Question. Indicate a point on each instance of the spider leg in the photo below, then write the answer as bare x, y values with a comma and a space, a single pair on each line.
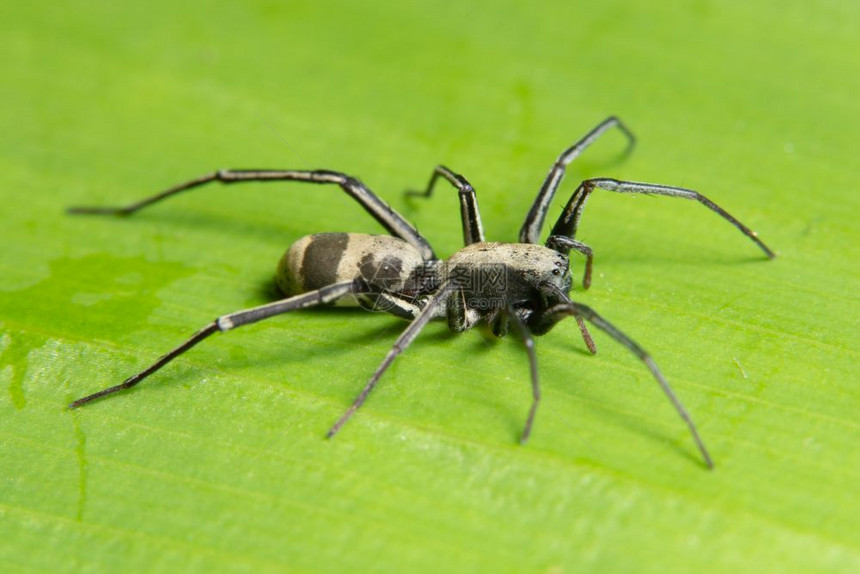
579, 310
473, 230
403, 341
531, 229
569, 220
322, 296
392, 221
390, 302
529, 343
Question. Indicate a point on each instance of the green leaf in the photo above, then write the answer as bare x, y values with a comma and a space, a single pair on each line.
220, 463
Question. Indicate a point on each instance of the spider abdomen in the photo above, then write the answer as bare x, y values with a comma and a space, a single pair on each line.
318, 260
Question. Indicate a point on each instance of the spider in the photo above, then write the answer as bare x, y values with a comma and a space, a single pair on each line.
521, 287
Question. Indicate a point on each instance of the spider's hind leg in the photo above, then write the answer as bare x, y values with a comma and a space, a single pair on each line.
392, 221
231, 321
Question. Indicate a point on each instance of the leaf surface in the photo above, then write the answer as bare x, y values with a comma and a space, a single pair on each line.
219, 461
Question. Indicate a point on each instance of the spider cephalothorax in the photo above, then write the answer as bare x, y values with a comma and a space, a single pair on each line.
521, 287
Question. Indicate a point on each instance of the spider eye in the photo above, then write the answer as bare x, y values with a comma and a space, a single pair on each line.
556, 272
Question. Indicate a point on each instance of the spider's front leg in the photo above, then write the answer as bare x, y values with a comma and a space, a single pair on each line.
568, 222
528, 342
570, 309
533, 224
